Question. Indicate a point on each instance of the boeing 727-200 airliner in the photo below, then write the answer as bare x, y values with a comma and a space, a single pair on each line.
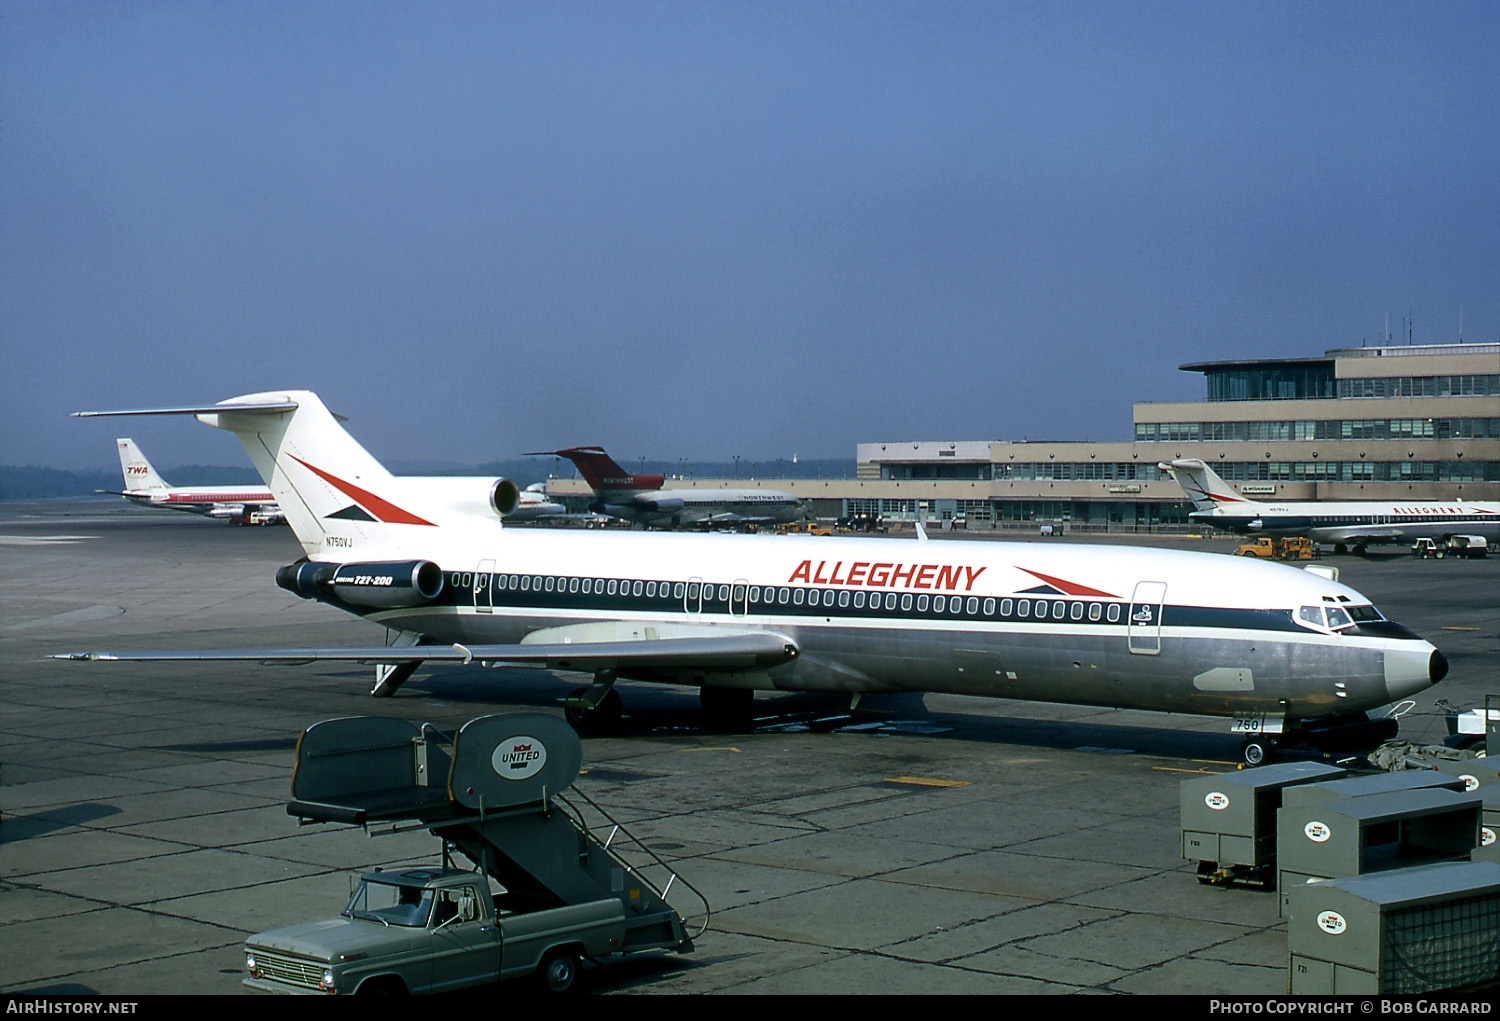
642, 500
1340, 524
1286, 654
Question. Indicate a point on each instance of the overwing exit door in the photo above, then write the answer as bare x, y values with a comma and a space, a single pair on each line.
1143, 626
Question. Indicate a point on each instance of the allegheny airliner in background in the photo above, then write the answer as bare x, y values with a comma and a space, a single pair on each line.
242, 505
640, 498
1286, 654
1343, 525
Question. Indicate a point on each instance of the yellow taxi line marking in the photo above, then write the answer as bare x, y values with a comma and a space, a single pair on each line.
923, 781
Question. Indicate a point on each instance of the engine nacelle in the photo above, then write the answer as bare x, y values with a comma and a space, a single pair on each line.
505, 497
391, 584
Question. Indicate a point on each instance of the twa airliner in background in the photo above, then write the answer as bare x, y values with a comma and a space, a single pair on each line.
242, 505
1287, 655
1340, 524
642, 500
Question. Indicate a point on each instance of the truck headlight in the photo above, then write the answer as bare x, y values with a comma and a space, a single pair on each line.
250, 965
327, 983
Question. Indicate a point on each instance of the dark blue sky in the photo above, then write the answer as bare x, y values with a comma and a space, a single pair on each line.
705, 229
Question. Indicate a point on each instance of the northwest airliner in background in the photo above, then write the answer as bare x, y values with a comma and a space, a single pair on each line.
1286, 654
642, 500
243, 505
1343, 525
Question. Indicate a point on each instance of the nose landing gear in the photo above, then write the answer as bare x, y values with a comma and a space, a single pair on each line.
1259, 751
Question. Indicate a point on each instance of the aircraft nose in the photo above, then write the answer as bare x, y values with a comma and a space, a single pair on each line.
1410, 671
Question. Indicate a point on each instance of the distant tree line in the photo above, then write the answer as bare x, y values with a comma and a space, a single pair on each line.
31, 482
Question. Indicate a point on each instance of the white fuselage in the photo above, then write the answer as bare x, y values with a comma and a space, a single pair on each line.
677, 508
1357, 522
1088, 624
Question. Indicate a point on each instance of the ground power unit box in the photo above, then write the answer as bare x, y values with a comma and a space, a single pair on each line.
1406, 931
1374, 833
1229, 820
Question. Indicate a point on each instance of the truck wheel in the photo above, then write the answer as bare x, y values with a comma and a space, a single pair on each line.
559, 971
385, 986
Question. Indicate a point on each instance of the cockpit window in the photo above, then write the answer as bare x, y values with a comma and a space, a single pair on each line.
1335, 618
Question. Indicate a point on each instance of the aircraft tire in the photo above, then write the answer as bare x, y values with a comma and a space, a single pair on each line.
1257, 752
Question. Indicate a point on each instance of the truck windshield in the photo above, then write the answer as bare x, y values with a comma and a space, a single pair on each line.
390, 903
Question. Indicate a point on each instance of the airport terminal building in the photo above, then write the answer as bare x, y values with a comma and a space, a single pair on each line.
1369, 423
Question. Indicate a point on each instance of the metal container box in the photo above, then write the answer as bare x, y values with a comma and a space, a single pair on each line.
1406, 931
1373, 783
1229, 820
1475, 773
1489, 825
1373, 833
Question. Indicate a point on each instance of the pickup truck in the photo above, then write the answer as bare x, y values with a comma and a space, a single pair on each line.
431, 930
558, 880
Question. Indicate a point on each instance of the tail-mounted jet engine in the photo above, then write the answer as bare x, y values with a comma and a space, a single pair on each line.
386, 585
505, 497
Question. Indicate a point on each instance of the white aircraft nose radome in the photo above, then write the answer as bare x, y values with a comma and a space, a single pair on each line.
1411, 671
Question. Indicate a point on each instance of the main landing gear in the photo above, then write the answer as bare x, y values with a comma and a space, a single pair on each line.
598, 709
727, 709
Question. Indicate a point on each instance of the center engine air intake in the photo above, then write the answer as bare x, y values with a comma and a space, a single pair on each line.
402, 583
505, 497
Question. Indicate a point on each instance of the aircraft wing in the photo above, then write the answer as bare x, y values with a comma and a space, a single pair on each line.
739, 651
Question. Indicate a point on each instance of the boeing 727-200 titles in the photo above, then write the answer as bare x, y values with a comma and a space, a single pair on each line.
1340, 524
1284, 653
239, 504
642, 500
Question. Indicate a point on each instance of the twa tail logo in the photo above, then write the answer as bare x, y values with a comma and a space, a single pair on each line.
370, 507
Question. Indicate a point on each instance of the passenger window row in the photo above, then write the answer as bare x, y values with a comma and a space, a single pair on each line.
693, 596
